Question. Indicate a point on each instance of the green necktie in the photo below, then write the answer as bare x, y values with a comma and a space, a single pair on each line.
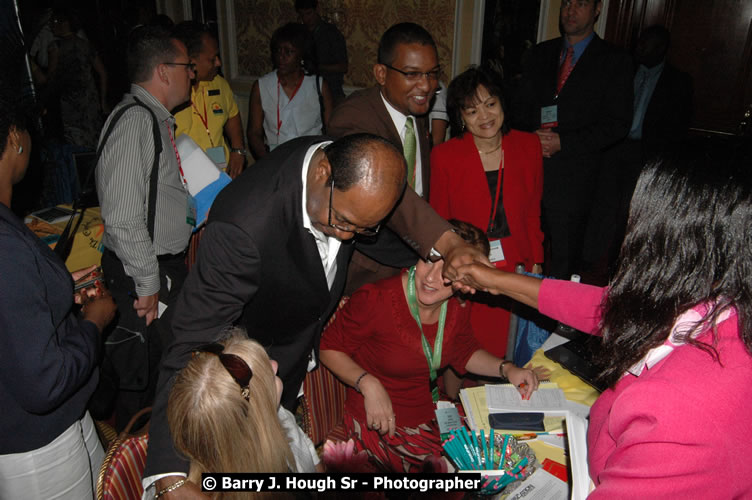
410, 147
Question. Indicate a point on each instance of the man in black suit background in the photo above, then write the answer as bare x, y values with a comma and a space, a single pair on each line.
660, 121
663, 94
274, 259
579, 101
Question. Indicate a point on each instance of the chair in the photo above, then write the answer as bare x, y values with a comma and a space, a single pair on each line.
323, 406
120, 475
324, 401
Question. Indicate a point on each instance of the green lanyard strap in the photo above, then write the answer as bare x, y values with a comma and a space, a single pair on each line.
432, 357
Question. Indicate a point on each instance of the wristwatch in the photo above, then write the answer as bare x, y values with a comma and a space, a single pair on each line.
501, 368
241, 151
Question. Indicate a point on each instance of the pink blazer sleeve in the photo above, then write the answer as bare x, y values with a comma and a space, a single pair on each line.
574, 304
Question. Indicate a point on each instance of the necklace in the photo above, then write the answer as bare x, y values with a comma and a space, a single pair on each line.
491, 150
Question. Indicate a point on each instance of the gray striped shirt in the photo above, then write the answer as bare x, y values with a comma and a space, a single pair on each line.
123, 174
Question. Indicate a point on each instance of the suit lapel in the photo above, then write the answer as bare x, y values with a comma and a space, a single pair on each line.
388, 130
302, 242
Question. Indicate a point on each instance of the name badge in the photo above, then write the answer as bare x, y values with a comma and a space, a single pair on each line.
549, 116
213, 92
496, 256
190, 210
448, 418
216, 154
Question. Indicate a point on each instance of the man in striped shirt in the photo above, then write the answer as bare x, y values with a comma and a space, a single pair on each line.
143, 259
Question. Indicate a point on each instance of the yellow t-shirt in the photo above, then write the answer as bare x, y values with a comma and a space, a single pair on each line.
214, 103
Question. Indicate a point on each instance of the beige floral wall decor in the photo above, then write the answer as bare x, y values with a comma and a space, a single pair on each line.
361, 22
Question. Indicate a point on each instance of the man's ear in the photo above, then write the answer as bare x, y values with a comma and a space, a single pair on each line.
322, 169
379, 73
161, 70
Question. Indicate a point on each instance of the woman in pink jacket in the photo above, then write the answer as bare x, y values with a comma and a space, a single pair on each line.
677, 327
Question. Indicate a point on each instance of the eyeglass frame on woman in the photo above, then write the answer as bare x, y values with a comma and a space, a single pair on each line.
360, 231
234, 364
414, 76
189, 65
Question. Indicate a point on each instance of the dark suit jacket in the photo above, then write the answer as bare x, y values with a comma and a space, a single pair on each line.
594, 112
669, 111
364, 111
259, 268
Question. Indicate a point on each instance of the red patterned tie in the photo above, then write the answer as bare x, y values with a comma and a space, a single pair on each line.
565, 69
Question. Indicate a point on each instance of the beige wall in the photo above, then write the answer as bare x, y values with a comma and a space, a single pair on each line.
361, 22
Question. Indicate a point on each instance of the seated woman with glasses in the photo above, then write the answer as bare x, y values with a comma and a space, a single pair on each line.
287, 102
388, 343
224, 413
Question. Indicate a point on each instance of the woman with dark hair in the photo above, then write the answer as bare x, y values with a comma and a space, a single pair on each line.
492, 177
49, 351
287, 103
676, 330
387, 344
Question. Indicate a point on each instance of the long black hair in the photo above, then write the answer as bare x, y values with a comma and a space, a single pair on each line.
688, 242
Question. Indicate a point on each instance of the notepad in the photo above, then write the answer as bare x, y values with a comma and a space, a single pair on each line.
506, 398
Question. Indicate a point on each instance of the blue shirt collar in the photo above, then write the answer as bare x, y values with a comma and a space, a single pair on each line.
579, 47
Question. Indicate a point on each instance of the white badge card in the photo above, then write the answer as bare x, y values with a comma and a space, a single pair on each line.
216, 154
549, 116
448, 419
190, 210
497, 253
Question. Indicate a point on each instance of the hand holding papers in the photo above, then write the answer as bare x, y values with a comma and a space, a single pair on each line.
506, 398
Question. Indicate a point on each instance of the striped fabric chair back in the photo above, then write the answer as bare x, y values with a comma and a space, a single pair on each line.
125, 463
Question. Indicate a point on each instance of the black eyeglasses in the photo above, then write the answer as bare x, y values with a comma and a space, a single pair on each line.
362, 231
234, 364
414, 76
189, 66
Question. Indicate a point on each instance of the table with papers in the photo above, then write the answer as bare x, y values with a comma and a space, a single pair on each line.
565, 402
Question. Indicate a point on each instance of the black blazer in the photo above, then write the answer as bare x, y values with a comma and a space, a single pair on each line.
258, 268
594, 112
669, 112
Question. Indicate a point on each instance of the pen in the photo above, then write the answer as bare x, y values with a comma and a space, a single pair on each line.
522, 386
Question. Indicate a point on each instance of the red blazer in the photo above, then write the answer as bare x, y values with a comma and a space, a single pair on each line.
459, 190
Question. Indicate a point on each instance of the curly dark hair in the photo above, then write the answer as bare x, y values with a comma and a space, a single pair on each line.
402, 33
688, 242
462, 93
297, 35
473, 235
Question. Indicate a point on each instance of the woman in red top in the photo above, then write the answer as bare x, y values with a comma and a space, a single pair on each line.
492, 177
376, 346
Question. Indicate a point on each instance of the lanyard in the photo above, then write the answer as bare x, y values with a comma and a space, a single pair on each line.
499, 183
432, 357
279, 121
204, 119
177, 155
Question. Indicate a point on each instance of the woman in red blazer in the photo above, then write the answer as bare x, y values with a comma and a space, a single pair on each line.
492, 177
